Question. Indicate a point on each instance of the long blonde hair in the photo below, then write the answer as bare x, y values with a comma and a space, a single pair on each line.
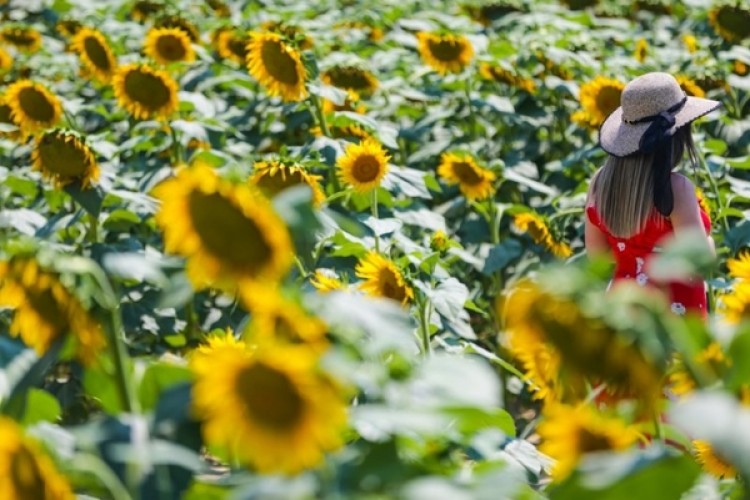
624, 187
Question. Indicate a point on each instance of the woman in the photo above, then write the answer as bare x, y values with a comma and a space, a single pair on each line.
635, 200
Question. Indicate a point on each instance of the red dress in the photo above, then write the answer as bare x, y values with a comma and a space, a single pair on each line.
631, 255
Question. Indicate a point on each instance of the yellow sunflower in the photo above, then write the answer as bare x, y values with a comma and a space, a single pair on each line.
352, 78
32, 106
27, 472
6, 118
734, 306
145, 92
739, 267
351, 103
44, 310
68, 27
180, 23
534, 226
363, 165
702, 201
474, 181
63, 158
691, 43
6, 60
277, 66
499, 74
144, 9
232, 45
569, 432
24, 38
599, 98
730, 21
226, 231
711, 358
439, 241
552, 67
641, 50
740, 68
445, 53
383, 279
690, 87
168, 45
289, 32
272, 177
270, 408
711, 461
96, 55
219, 8
326, 281
283, 321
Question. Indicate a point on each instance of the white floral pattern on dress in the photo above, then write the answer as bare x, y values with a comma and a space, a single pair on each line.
641, 279
621, 246
678, 308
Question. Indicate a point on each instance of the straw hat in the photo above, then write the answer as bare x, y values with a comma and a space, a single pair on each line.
641, 101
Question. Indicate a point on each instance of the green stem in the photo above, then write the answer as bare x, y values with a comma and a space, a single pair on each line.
494, 358
71, 121
119, 354
374, 209
715, 189
472, 115
494, 223
658, 429
93, 232
191, 330
318, 113
176, 152
425, 311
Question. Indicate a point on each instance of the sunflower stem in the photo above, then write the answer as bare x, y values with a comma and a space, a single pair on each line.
93, 230
424, 327
494, 223
191, 331
70, 120
318, 112
176, 152
658, 429
374, 209
715, 189
472, 115
119, 355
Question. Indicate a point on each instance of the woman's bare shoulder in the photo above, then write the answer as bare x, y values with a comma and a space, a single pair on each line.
682, 187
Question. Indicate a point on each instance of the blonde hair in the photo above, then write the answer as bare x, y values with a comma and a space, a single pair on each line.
624, 187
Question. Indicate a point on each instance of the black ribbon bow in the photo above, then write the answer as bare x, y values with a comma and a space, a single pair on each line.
656, 140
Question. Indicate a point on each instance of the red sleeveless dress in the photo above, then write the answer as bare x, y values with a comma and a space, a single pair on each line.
631, 254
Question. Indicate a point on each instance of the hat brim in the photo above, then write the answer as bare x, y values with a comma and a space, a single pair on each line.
619, 138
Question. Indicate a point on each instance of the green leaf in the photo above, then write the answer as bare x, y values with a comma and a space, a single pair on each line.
89, 199
158, 377
41, 406
470, 420
103, 386
501, 255
684, 256
739, 349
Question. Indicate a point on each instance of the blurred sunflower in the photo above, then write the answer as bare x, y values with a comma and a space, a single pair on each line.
552, 67
374, 33
6, 60
690, 87
168, 45
383, 279
272, 177
144, 9
711, 359
226, 231
32, 106
232, 45
486, 13
363, 165
351, 103
569, 432
439, 241
474, 182
740, 68
63, 158
499, 74
68, 27
271, 408
95, 54
44, 310
170, 21
326, 281
352, 78
445, 53
280, 320
219, 8
731, 20
599, 98
24, 38
579, 4
27, 472
341, 131
641, 50
739, 267
691, 43
734, 306
655, 6
277, 66
290, 32
711, 461
702, 201
145, 92
6, 118
536, 227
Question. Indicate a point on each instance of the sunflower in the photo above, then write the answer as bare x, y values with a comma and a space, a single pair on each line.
27, 472
691, 43
95, 53
219, 8
325, 282
180, 23
232, 45
168, 45
145, 92
374, 33
270, 408
702, 201
290, 32
569, 432
32, 106
68, 27
499, 74
283, 321
730, 21
6, 118
6, 60
226, 231
739, 267
383, 279
711, 358
553, 67
474, 182
439, 241
272, 177
580, 4
63, 158
352, 78
144, 9
44, 310
445, 53
735, 305
690, 87
488, 12
711, 461
363, 165
599, 98
351, 103
740, 68
641, 50
277, 66
341, 131
534, 226
24, 38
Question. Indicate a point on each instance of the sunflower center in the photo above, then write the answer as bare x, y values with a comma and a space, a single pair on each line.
20, 38
390, 286
366, 168
285, 330
590, 441
608, 100
735, 20
238, 46
272, 184
537, 231
170, 48
228, 233
36, 105
25, 476
62, 157
45, 305
445, 50
278, 62
146, 89
350, 78
270, 397
97, 54
466, 173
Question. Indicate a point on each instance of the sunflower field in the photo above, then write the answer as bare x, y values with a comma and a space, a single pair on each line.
334, 249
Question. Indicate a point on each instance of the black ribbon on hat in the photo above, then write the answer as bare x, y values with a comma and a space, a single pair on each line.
656, 140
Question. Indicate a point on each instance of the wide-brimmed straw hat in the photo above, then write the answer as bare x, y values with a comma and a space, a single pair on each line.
642, 101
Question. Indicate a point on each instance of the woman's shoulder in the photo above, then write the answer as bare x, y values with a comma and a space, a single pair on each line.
682, 185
